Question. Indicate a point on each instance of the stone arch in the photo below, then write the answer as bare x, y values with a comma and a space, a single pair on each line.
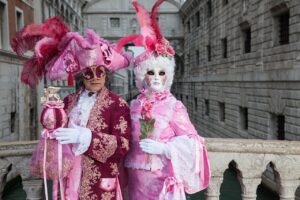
10, 181
270, 183
231, 187
175, 3
14, 171
5, 167
92, 2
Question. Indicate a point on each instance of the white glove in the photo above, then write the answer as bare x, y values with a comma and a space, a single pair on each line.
80, 137
153, 147
67, 135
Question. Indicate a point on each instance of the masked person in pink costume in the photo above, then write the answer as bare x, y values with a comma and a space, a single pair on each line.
98, 127
167, 156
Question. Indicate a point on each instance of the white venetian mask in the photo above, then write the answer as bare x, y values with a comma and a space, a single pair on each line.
156, 79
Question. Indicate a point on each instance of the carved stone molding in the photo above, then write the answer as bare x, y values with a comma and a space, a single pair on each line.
288, 189
213, 190
33, 189
249, 187
251, 157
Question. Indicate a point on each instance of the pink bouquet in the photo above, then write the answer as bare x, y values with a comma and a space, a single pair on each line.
147, 122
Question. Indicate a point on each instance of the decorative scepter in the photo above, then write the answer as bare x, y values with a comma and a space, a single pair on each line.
50, 159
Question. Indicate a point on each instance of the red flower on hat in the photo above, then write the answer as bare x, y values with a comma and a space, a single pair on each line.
163, 48
170, 51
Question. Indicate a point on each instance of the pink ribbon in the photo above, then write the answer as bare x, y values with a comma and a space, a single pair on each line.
45, 132
172, 188
47, 135
53, 105
60, 177
119, 195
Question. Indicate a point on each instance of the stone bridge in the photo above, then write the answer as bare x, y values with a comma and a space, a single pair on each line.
273, 163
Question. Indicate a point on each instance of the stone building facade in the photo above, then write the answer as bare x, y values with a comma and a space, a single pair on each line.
69, 10
113, 19
18, 104
241, 68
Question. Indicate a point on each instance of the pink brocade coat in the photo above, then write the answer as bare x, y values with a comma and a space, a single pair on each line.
109, 122
156, 177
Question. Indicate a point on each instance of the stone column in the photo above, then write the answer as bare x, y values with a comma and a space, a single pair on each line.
2, 181
249, 188
33, 189
288, 189
213, 190
4, 168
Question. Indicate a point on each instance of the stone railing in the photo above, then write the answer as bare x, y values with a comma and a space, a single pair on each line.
15, 160
250, 157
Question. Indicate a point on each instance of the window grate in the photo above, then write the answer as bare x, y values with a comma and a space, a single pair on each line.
280, 127
208, 52
224, 47
247, 40
284, 28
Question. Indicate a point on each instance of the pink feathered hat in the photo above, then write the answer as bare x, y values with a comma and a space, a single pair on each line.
60, 54
151, 37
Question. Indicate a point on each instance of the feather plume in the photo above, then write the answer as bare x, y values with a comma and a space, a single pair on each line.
44, 39
29, 75
145, 22
26, 38
154, 14
130, 38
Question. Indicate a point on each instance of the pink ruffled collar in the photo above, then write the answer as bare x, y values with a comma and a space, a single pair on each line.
148, 95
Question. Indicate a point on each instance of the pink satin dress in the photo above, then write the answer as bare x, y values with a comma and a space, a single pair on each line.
187, 169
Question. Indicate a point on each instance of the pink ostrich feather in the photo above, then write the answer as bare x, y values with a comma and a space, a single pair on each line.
137, 40
145, 22
29, 74
26, 38
43, 39
150, 32
154, 15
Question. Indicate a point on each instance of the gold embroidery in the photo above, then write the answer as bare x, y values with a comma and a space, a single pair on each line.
107, 196
122, 102
125, 143
96, 122
122, 126
90, 176
114, 169
104, 147
96, 143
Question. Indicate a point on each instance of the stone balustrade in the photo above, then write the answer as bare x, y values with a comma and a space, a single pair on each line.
15, 160
251, 159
